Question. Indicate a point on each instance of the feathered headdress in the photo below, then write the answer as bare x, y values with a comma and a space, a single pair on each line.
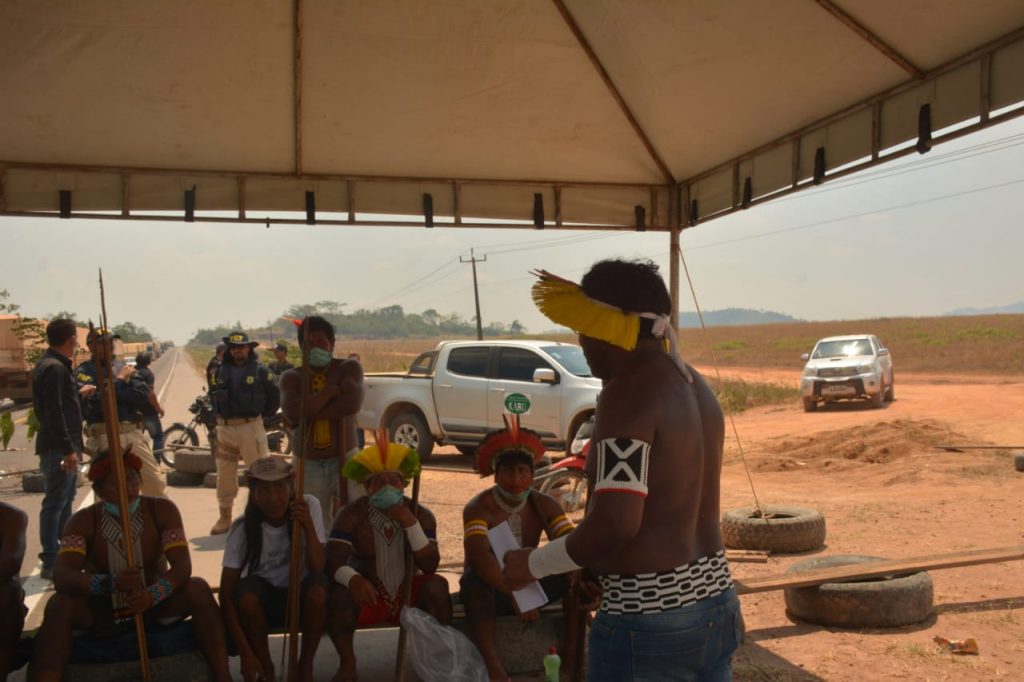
510, 439
380, 457
100, 466
565, 303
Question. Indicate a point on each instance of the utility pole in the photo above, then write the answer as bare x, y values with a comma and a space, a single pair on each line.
476, 292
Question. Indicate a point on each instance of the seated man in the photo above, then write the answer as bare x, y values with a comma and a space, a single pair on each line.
98, 593
510, 454
257, 569
366, 552
13, 522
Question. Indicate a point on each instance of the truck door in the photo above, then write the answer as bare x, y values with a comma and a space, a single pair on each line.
515, 375
459, 390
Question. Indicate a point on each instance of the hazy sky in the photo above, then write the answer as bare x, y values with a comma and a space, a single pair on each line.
917, 237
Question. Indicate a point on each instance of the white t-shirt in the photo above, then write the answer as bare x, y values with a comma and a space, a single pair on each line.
275, 555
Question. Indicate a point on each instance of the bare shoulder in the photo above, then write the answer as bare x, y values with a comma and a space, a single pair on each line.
351, 515
290, 379
425, 516
351, 369
548, 505
166, 512
82, 522
475, 507
12, 518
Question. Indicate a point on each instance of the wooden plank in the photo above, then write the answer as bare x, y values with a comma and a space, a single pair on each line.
960, 448
880, 568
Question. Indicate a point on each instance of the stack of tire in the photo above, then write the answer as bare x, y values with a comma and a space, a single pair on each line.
35, 482
192, 468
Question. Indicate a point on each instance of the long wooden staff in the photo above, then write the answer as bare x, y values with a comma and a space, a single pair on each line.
295, 568
410, 568
108, 404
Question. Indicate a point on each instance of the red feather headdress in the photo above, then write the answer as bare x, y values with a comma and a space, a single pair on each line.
512, 438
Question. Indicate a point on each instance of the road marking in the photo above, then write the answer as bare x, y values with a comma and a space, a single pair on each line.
167, 381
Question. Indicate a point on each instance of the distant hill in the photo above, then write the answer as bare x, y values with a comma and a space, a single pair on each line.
733, 317
1013, 308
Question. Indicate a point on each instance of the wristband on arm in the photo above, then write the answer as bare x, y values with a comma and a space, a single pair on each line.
417, 538
344, 575
551, 559
99, 584
161, 590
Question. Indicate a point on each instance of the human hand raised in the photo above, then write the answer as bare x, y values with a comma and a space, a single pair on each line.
517, 568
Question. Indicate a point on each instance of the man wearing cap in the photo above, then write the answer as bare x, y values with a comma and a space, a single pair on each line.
97, 593
132, 395
335, 393
214, 364
651, 534
152, 411
367, 548
280, 365
256, 569
511, 455
243, 393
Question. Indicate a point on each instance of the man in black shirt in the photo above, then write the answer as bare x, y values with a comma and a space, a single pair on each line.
152, 411
214, 364
243, 393
59, 440
132, 394
280, 365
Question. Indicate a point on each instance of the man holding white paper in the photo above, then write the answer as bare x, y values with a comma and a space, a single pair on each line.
507, 516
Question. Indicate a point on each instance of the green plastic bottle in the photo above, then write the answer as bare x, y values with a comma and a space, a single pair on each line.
552, 662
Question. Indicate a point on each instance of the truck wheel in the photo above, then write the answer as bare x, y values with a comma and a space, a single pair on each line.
1018, 461
890, 390
882, 602
781, 529
409, 429
878, 399
467, 450
810, 405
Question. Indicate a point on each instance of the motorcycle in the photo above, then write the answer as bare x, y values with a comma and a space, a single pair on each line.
566, 480
179, 435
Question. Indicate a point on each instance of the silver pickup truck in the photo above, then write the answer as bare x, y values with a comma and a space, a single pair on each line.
455, 394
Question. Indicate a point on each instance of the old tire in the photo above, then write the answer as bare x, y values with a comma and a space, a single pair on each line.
180, 479
810, 405
193, 462
781, 530
210, 480
883, 602
409, 429
1018, 461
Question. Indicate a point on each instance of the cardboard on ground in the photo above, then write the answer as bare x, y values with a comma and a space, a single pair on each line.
530, 597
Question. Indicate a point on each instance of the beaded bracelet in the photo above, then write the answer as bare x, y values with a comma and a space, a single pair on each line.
161, 590
99, 584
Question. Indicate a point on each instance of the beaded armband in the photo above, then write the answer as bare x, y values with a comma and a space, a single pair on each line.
174, 537
341, 536
72, 543
474, 527
561, 526
100, 584
161, 590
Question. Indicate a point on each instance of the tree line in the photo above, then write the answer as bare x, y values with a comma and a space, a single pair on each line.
389, 322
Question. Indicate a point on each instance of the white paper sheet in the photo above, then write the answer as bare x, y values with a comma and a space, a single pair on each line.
502, 540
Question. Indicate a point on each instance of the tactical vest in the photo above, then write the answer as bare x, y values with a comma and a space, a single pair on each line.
239, 391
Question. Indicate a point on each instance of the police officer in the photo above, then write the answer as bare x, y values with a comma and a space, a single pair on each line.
132, 394
152, 411
243, 393
214, 364
280, 365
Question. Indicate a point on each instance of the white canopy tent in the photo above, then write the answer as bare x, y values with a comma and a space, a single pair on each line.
609, 114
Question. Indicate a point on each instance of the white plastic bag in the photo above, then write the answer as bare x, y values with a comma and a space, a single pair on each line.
440, 653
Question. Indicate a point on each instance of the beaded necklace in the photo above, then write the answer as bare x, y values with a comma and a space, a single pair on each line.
515, 521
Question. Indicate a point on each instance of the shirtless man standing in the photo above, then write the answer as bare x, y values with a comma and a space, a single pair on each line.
335, 395
97, 592
367, 548
13, 522
651, 534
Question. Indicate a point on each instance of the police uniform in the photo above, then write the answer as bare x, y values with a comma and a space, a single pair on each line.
242, 396
132, 395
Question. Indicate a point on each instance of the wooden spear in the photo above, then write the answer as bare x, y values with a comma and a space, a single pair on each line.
295, 568
108, 404
410, 569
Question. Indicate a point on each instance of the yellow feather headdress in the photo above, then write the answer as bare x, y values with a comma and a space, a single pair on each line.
380, 457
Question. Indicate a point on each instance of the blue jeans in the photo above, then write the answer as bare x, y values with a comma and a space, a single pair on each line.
695, 642
59, 488
156, 432
320, 479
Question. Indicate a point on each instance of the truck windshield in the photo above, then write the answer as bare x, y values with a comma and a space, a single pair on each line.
842, 349
571, 358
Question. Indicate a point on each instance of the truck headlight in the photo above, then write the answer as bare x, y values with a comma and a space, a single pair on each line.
866, 369
810, 372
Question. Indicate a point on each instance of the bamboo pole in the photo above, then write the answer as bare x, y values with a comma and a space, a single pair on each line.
410, 569
295, 567
108, 404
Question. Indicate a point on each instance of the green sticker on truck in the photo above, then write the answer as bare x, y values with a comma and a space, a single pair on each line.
517, 403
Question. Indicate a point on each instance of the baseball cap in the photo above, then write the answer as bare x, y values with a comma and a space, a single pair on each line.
281, 345
270, 468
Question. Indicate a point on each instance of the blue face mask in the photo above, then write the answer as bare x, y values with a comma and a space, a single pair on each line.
115, 510
515, 497
318, 357
386, 497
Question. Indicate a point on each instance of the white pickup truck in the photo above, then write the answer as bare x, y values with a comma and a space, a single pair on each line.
455, 393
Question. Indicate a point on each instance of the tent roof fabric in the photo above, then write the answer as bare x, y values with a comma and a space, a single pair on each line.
609, 113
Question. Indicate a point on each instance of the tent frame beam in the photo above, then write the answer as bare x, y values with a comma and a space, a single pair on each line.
876, 42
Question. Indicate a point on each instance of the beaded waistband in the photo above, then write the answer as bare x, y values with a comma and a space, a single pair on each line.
666, 590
